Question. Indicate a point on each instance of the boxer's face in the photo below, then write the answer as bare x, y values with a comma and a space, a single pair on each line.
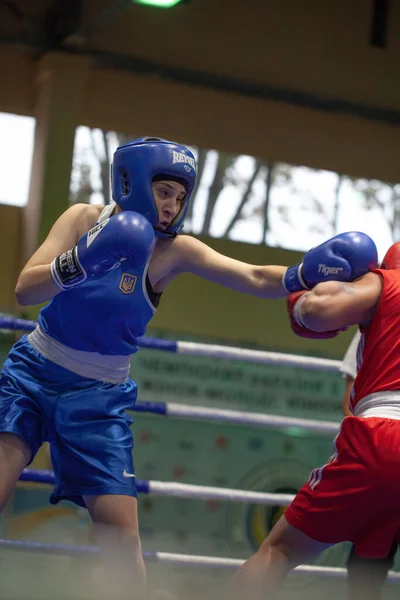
169, 197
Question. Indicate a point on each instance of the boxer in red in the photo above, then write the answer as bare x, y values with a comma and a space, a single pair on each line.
355, 496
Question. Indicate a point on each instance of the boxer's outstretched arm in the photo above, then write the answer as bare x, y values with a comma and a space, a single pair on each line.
343, 257
196, 257
335, 305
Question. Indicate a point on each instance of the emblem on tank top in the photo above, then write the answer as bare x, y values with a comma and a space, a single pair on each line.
127, 283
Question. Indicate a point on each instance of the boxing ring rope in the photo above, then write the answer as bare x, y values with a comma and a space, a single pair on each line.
174, 559
175, 489
208, 350
182, 490
172, 409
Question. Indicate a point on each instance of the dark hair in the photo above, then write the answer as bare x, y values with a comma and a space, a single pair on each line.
172, 178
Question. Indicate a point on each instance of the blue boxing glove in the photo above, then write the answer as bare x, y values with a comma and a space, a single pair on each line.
342, 258
102, 248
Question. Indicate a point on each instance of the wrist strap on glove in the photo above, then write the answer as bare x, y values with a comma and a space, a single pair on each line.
67, 271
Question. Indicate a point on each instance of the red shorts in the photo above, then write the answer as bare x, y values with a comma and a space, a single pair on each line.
355, 497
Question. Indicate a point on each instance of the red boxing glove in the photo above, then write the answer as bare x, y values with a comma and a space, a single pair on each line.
391, 259
295, 320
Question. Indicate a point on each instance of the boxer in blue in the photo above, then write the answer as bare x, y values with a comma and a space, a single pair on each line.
103, 270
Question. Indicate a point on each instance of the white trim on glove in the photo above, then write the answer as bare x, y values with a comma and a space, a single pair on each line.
297, 310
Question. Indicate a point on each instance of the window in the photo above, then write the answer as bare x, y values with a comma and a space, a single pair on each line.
16, 150
250, 200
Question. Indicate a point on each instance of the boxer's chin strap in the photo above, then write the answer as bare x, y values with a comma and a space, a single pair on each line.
107, 212
161, 233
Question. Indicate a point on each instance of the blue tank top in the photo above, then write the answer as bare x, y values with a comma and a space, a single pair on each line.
104, 315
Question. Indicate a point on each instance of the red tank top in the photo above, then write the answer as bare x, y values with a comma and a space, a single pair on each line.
378, 353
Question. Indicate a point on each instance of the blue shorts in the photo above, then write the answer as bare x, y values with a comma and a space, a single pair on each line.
84, 420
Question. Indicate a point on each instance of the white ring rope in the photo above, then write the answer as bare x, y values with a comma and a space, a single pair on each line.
258, 356
177, 489
210, 350
173, 558
204, 492
248, 418
182, 490
215, 561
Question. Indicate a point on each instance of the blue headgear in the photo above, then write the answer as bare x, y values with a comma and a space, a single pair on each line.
135, 166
